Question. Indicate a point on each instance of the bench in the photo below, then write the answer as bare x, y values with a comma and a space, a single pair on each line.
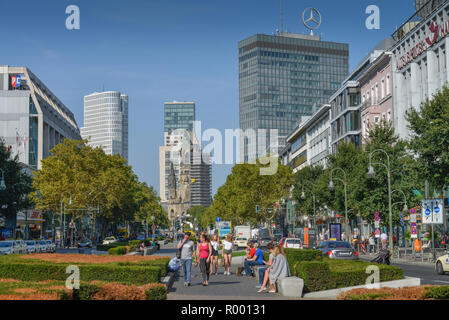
290, 287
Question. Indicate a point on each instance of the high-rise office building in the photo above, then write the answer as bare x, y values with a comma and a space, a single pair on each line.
181, 116
106, 122
283, 77
32, 119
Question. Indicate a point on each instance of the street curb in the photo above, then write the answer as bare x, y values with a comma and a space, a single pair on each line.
169, 280
332, 294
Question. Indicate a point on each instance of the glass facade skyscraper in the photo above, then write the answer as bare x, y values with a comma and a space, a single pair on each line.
178, 115
106, 122
283, 77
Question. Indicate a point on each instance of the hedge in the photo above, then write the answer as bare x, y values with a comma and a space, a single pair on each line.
299, 255
314, 273
333, 274
138, 274
85, 292
156, 292
118, 251
106, 247
437, 293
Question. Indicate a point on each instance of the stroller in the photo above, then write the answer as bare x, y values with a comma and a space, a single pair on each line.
383, 257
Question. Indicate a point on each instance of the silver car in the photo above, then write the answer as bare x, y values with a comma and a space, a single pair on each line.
44, 246
338, 250
6, 247
31, 246
20, 246
51, 247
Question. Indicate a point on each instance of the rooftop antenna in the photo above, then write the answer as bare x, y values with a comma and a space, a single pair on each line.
282, 24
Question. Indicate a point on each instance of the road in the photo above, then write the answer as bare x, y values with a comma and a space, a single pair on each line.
427, 274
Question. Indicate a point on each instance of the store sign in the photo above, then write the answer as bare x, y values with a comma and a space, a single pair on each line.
437, 32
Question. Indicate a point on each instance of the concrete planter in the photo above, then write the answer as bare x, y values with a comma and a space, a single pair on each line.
332, 294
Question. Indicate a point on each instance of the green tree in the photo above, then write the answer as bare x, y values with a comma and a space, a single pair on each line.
429, 139
245, 188
18, 186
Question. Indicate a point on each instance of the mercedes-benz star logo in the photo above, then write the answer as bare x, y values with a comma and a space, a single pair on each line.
314, 18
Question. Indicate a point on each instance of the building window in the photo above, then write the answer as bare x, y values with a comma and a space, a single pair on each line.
382, 88
376, 121
389, 115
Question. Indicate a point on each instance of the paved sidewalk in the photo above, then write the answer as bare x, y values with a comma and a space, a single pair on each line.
220, 287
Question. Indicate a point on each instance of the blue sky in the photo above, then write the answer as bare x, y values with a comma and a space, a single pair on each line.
165, 50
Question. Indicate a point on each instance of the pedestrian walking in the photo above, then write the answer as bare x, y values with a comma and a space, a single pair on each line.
372, 243
204, 252
384, 240
227, 254
214, 259
186, 249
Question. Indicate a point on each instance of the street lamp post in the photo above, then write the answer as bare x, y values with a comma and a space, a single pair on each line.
371, 174
405, 209
303, 196
63, 216
345, 183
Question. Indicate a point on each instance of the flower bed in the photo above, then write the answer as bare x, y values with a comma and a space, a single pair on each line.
407, 293
129, 270
94, 290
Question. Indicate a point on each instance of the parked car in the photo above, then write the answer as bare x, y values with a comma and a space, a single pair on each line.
85, 244
109, 240
293, 243
44, 246
31, 246
338, 250
51, 246
20, 246
282, 242
6, 247
442, 264
40, 247
240, 242
264, 242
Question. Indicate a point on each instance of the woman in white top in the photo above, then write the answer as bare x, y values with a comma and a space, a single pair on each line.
214, 257
227, 254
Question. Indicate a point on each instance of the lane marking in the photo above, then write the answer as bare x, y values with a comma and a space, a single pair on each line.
440, 281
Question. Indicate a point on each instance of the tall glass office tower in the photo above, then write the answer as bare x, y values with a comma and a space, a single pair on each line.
106, 122
283, 77
178, 115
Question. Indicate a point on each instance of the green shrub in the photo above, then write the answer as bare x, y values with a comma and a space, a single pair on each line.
134, 243
106, 247
156, 292
315, 275
118, 251
85, 292
132, 274
438, 293
299, 255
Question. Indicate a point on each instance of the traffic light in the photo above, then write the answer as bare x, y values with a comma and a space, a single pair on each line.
177, 225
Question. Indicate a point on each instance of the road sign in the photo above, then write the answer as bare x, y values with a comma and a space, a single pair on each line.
218, 219
412, 211
432, 211
377, 233
257, 209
